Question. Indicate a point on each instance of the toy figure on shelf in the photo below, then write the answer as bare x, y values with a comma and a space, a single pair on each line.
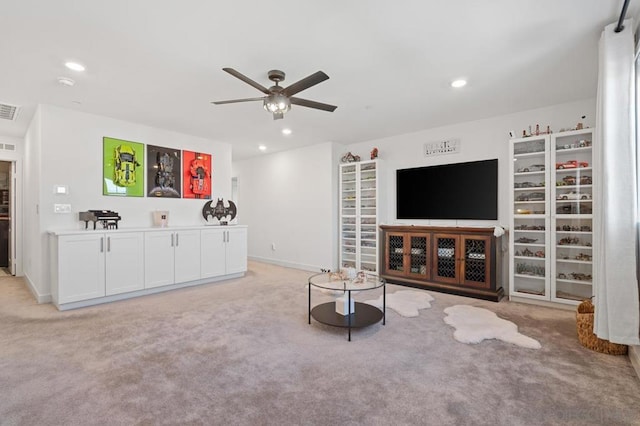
374, 153
350, 158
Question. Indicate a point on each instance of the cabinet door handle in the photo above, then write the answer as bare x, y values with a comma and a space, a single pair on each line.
177, 239
108, 243
101, 244
172, 240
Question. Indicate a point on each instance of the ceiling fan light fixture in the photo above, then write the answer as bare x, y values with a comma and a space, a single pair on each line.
277, 103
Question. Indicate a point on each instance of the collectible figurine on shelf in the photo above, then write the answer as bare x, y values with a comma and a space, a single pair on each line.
374, 153
350, 158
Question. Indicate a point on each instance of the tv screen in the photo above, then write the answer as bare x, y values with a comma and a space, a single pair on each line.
448, 191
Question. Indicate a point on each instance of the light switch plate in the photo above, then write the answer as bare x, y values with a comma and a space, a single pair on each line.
60, 189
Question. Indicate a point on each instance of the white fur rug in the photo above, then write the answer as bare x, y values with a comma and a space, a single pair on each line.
473, 325
405, 302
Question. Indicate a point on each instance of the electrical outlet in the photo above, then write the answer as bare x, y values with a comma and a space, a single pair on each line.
62, 208
273, 246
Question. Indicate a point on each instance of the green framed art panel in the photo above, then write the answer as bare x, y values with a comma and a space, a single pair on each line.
122, 168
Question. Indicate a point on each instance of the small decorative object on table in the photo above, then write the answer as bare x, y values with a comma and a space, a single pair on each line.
108, 218
161, 218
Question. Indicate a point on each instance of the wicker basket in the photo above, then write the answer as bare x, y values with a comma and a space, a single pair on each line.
584, 319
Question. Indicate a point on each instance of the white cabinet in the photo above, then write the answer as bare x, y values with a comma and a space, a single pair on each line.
91, 267
224, 251
551, 251
97, 265
124, 262
80, 268
171, 257
361, 189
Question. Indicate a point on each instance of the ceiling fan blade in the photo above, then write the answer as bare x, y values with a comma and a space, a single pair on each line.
247, 80
233, 101
313, 104
305, 83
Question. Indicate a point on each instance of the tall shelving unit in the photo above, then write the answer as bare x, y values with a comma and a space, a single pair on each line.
551, 244
361, 187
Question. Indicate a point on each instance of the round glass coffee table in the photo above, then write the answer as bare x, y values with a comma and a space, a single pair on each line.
346, 312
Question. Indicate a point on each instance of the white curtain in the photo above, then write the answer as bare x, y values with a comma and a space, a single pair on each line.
617, 308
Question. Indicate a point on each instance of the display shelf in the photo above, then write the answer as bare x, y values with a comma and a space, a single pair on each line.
360, 210
557, 170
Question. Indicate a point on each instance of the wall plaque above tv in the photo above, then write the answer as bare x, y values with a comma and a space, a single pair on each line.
449, 191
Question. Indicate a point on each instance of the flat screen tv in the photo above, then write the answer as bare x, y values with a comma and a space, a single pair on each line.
449, 191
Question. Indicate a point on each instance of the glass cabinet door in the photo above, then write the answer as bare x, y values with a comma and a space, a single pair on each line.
395, 254
530, 263
348, 216
418, 255
530, 195
475, 267
445, 267
573, 197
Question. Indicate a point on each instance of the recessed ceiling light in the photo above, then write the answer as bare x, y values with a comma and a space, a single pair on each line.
286, 131
262, 147
458, 83
74, 66
66, 81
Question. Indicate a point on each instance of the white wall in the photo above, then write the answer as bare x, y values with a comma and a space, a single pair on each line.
34, 254
480, 140
68, 151
289, 199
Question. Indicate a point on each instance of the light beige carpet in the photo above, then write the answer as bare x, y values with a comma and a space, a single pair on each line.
242, 353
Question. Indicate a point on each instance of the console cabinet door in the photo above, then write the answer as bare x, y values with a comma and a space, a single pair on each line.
445, 264
124, 262
476, 270
213, 253
187, 255
417, 255
395, 248
81, 267
236, 255
159, 263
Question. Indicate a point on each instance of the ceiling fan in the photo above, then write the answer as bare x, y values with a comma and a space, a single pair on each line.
278, 99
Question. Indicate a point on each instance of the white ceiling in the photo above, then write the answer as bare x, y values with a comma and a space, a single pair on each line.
390, 63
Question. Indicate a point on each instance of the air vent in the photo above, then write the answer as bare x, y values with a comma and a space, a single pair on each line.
9, 147
8, 112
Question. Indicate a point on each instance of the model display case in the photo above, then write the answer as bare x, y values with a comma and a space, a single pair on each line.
551, 251
360, 214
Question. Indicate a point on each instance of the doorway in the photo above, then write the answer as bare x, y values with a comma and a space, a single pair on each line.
7, 191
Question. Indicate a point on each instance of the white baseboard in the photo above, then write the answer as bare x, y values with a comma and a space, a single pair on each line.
304, 267
40, 298
634, 356
537, 302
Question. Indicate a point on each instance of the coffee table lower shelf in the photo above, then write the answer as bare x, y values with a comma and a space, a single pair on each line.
363, 315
